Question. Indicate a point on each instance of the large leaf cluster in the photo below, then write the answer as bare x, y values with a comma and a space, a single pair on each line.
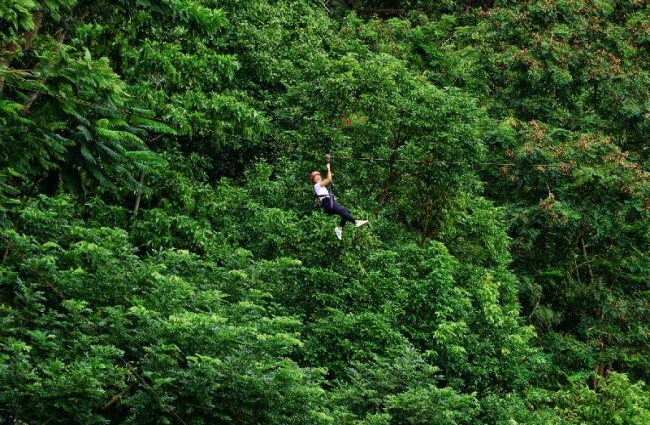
93, 332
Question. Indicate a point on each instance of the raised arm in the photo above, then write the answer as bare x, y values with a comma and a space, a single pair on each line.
327, 180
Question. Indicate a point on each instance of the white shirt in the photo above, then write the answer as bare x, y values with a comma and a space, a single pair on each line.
321, 191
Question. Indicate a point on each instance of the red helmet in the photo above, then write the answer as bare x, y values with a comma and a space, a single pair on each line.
314, 174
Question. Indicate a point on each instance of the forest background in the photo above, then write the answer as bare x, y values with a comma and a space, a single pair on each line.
162, 259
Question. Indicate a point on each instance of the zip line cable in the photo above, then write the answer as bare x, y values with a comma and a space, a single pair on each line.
316, 155
427, 161
127, 365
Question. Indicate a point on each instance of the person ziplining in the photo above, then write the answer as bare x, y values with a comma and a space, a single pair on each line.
328, 201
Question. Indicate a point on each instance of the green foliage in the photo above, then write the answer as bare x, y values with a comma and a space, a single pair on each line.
188, 84
161, 258
570, 63
64, 119
576, 224
414, 407
615, 401
89, 324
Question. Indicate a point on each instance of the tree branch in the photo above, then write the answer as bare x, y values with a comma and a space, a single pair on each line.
11, 49
139, 197
584, 255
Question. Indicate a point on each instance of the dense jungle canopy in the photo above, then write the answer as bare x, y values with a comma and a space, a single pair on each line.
162, 259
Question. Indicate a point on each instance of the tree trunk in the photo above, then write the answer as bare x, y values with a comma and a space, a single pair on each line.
139, 197
392, 178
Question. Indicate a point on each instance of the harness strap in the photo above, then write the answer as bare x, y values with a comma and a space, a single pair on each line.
321, 197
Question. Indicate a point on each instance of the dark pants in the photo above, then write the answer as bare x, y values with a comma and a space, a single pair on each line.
331, 207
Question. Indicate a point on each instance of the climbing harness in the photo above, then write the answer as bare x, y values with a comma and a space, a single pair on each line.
329, 196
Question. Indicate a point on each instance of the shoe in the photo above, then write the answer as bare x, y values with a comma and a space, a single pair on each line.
360, 223
339, 232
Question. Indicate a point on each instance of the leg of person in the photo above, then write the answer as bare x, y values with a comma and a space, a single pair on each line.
327, 207
345, 215
329, 210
